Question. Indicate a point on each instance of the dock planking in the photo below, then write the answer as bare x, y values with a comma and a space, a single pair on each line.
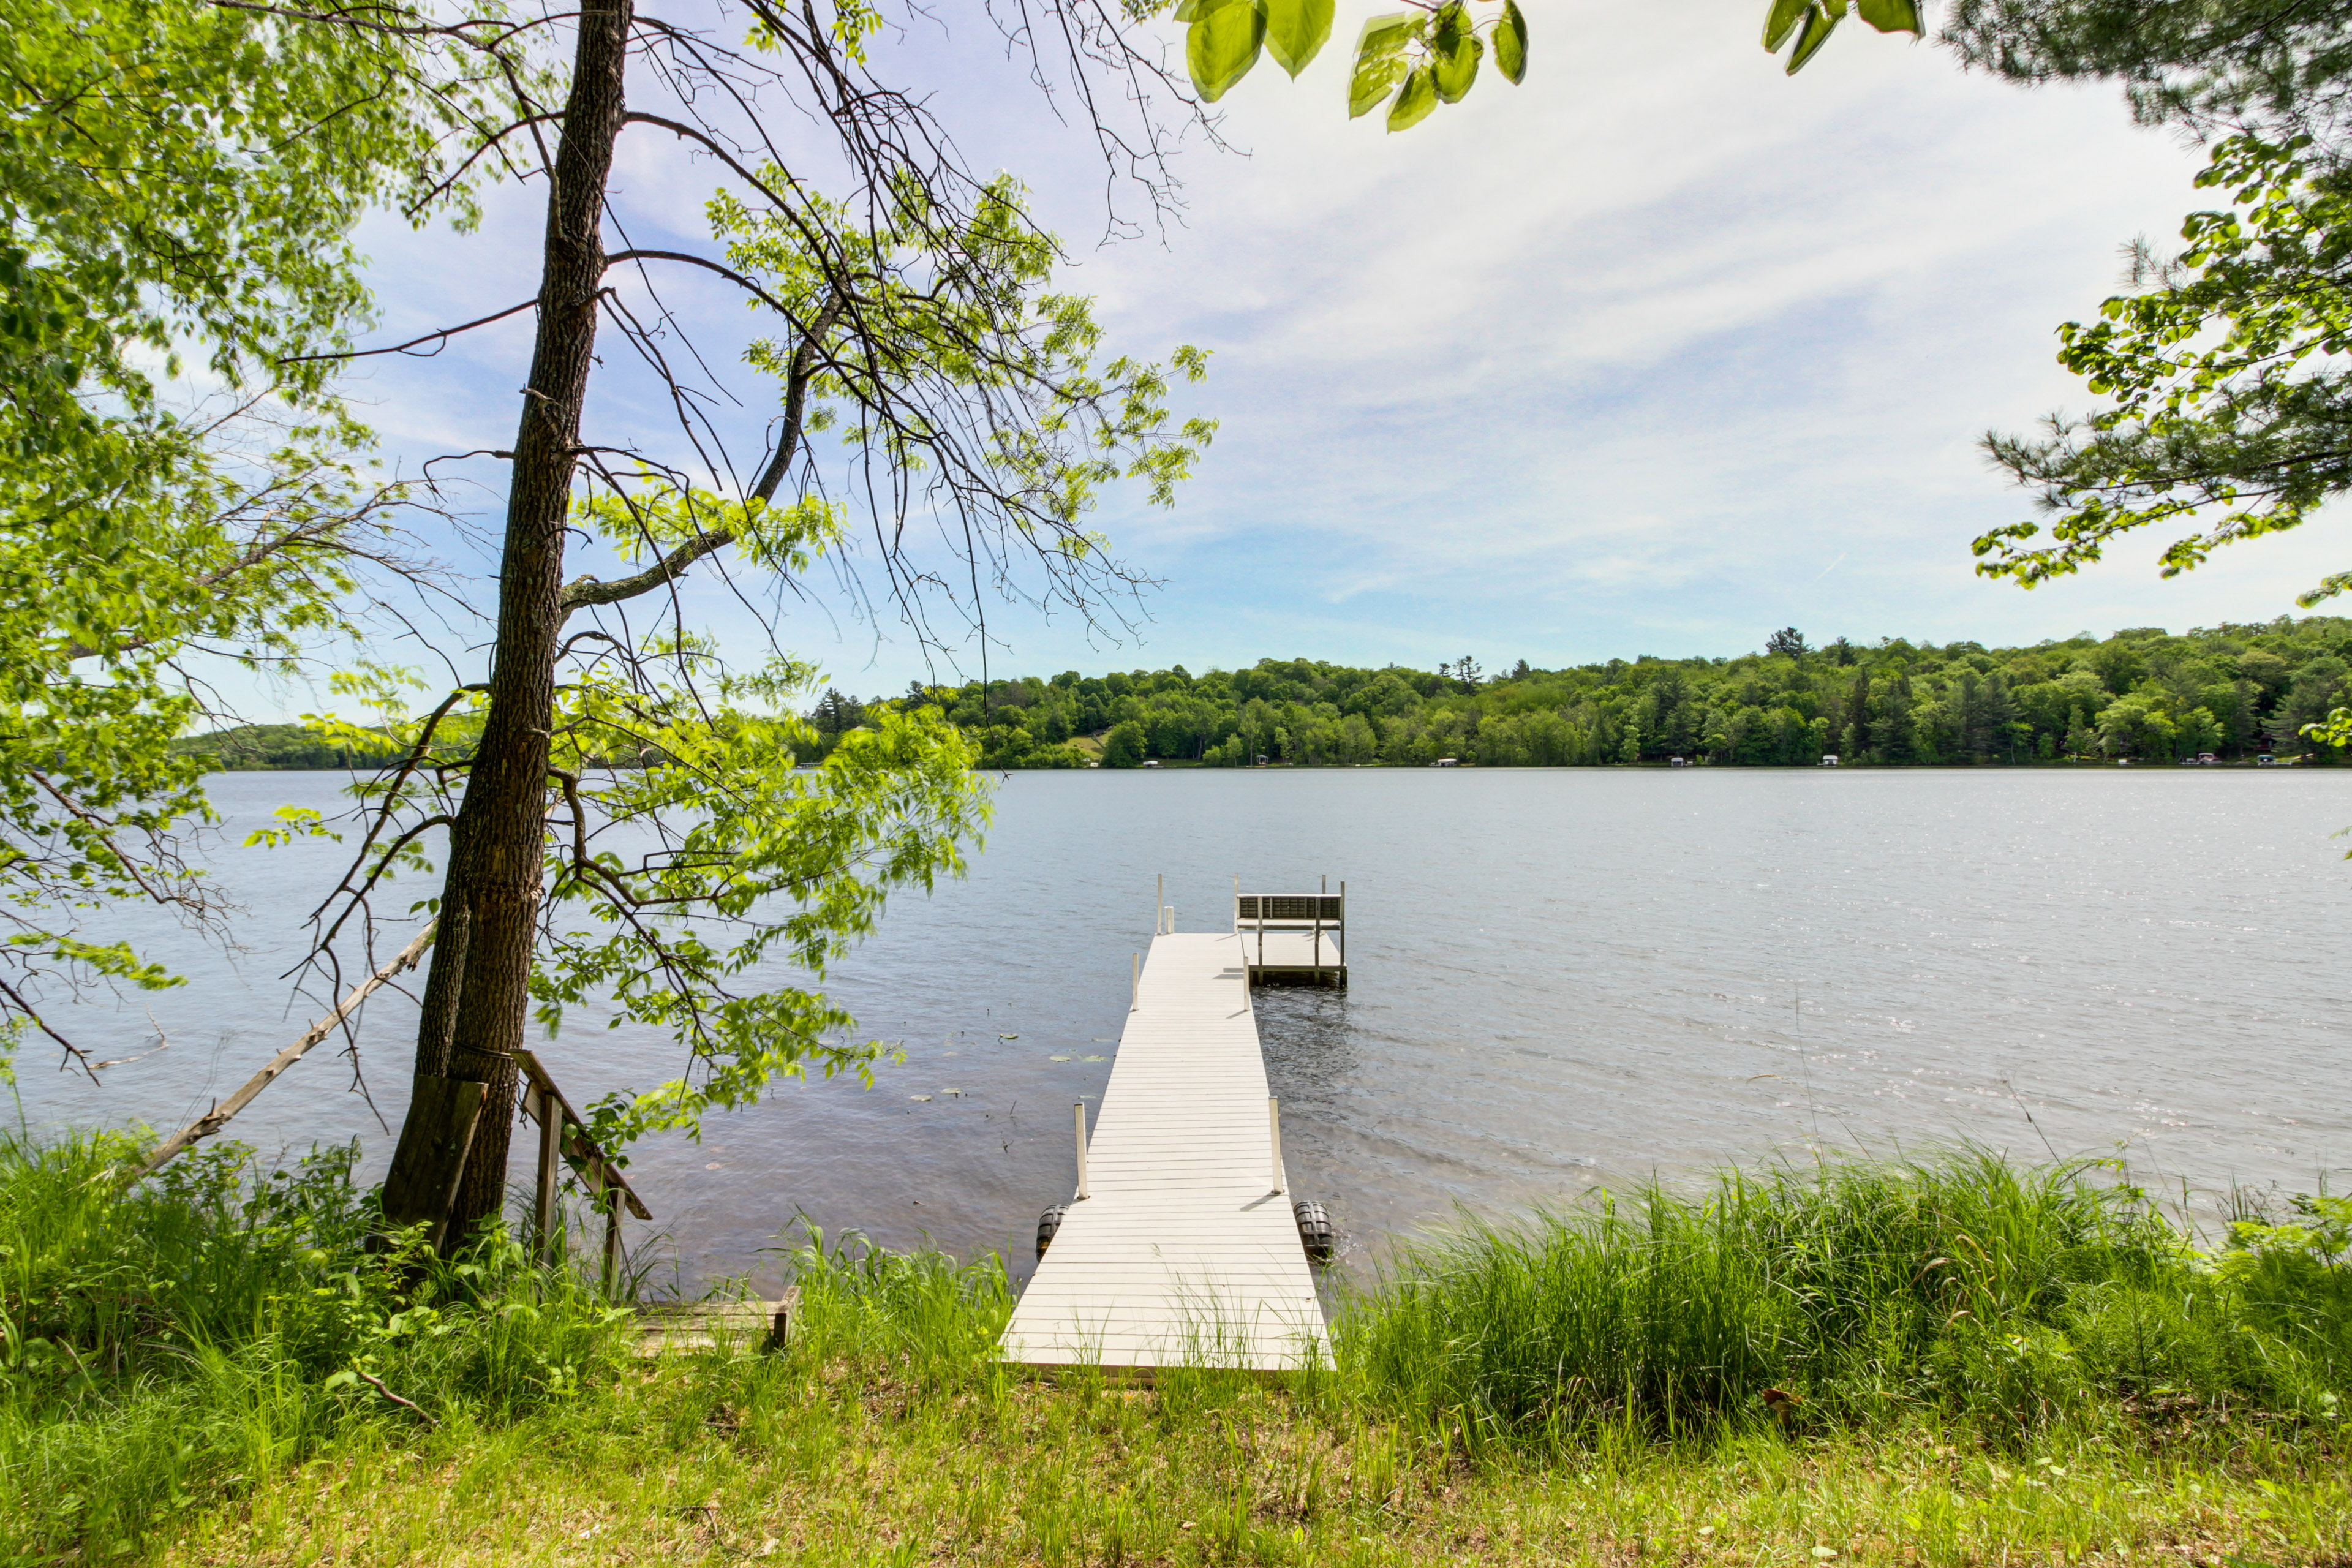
1184, 1253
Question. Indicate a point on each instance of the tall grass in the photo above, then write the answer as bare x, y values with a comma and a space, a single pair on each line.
1956, 1289
189, 1340
206, 1329
1965, 1287
920, 1310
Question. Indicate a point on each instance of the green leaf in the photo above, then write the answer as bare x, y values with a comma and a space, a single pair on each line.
1413, 104
1778, 22
1448, 27
1511, 43
1379, 58
1297, 31
1374, 80
1223, 44
1893, 15
1388, 34
1454, 73
1819, 25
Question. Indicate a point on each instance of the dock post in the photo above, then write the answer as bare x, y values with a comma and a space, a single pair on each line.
1274, 1137
550, 1154
1318, 931
1079, 1111
611, 1243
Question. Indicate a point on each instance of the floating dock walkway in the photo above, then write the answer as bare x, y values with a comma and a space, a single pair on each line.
1183, 1250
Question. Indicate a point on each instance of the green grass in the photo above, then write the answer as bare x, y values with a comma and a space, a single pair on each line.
205, 1330
1967, 1289
1993, 1365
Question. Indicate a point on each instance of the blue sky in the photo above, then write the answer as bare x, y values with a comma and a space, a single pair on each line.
1657, 352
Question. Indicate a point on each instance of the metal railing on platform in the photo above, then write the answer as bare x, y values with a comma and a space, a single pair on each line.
1255, 914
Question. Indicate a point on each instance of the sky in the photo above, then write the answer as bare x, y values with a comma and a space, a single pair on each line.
1653, 355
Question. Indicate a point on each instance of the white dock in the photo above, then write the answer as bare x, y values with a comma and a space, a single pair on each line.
1183, 1254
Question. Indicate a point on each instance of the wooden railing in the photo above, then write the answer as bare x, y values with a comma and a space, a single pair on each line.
563, 1139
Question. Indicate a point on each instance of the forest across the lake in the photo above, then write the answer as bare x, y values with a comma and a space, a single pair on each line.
2235, 691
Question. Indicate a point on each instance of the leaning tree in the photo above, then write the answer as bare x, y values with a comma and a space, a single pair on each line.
614, 812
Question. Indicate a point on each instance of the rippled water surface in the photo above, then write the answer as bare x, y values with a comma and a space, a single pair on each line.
1558, 977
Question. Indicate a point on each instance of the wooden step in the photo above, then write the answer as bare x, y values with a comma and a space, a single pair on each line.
665, 1328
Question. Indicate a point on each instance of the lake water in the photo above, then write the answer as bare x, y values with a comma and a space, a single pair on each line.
1559, 978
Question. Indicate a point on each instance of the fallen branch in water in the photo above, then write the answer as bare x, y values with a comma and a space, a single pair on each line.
213, 1121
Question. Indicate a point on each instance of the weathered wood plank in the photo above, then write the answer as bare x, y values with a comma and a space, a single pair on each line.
213, 1121
442, 1115
543, 1103
666, 1327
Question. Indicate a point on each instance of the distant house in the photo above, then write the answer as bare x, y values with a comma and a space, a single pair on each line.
1829, 759
1151, 762
1677, 763
1446, 762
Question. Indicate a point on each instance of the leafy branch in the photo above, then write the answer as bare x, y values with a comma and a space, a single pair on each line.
2223, 408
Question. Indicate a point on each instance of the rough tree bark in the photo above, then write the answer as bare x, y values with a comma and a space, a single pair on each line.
476, 992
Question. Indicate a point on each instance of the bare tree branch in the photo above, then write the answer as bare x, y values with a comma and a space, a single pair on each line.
435, 338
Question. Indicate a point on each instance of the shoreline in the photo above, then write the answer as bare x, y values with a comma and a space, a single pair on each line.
1825, 1367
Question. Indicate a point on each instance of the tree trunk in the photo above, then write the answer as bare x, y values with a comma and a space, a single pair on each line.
477, 996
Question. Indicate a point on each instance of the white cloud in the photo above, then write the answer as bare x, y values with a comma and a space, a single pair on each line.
1620, 360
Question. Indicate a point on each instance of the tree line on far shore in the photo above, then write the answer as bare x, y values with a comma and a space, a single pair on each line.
2234, 690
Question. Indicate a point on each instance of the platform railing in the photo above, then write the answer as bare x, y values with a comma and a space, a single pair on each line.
1257, 913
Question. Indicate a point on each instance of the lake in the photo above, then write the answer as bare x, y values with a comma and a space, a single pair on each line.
1559, 978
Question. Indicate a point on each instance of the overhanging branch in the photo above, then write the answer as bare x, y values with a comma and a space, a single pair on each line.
668, 569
